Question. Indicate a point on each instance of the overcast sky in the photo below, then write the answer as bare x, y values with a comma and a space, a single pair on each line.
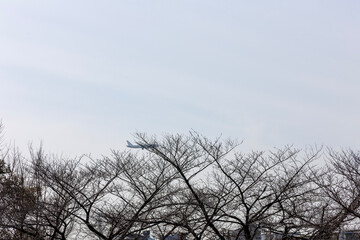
83, 76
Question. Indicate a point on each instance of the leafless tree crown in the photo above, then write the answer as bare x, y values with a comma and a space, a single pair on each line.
188, 186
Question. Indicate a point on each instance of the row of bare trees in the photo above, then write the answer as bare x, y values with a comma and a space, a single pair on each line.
190, 185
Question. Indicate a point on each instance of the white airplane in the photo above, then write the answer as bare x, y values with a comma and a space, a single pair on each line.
142, 146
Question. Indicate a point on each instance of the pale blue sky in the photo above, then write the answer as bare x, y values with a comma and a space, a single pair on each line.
82, 76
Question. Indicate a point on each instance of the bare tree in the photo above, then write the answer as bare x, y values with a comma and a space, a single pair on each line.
56, 207
230, 190
340, 187
113, 197
344, 184
192, 160
328, 201
188, 186
17, 198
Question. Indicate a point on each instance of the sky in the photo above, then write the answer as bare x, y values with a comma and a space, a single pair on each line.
84, 76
